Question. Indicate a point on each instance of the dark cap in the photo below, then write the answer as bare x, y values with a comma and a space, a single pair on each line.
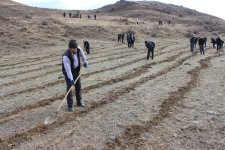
73, 44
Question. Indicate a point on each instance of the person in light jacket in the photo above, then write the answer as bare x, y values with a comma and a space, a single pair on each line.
71, 65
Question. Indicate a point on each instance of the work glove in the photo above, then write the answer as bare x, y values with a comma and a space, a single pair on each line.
85, 65
72, 83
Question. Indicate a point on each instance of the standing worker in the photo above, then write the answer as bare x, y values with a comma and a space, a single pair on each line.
201, 43
151, 46
87, 47
192, 42
71, 68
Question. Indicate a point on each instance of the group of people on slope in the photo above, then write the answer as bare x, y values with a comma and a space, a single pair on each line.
74, 58
202, 43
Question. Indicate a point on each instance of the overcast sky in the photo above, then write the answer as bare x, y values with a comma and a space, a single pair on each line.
213, 7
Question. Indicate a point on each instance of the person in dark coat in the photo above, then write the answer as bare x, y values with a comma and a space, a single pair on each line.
132, 40
213, 42
122, 37
129, 40
201, 43
196, 41
151, 46
205, 39
87, 47
119, 37
192, 42
219, 43
71, 65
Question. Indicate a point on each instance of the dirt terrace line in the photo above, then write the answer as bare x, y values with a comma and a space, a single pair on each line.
59, 64
49, 72
44, 57
49, 101
132, 133
115, 49
39, 63
53, 83
12, 83
29, 60
61, 81
13, 141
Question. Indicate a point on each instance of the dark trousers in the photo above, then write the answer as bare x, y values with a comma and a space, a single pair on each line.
88, 50
213, 44
150, 50
132, 44
77, 91
119, 39
202, 51
129, 44
219, 46
192, 47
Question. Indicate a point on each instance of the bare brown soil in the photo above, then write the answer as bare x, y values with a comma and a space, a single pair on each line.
175, 101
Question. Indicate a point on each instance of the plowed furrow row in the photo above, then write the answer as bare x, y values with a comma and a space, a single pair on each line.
29, 60
36, 62
108, 50
59, 69
43, 86
35, 59
128, 75
47, 66
12, 141
132, 133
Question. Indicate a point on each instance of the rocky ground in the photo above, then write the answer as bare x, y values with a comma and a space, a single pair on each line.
175, 101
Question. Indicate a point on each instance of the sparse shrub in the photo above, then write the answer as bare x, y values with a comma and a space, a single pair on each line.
56, 21
112, 10
206, 27
180, 15
24, 29
154, 35
97, 11
168, 12
4, 18
195, 32
28, 17
52, 44
44, 23
65, 35
188, 35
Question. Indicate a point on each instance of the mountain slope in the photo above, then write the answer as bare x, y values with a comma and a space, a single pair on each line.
155, 11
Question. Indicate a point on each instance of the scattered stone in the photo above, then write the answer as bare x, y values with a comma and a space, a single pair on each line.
210, 112
187, 64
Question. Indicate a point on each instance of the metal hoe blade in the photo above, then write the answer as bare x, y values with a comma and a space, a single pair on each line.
51, 119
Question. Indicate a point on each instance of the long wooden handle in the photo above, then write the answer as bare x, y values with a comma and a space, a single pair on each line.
70, 90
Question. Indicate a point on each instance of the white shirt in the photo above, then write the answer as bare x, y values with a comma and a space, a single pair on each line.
67, 63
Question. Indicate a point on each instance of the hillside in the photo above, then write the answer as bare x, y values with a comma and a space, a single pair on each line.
174, 101
155, 11
38, 25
